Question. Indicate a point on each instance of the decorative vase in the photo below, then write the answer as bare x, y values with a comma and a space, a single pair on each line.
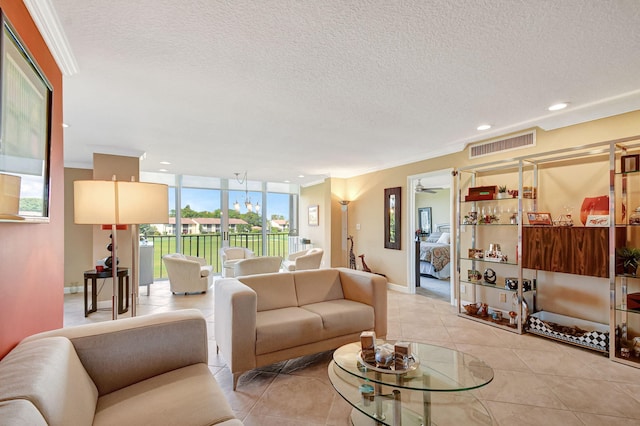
594, 205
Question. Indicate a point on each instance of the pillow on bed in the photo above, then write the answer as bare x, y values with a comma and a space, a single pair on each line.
445, 238
433, 237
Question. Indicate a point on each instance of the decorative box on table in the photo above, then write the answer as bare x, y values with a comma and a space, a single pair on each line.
633, 301
480, 193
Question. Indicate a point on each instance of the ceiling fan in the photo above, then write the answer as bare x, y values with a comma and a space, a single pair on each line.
422, 188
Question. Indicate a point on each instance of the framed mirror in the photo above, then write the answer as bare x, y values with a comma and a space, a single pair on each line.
424, 220
25, 132
392, 215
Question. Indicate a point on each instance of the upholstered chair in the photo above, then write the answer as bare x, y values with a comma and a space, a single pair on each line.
257, 265
306, 259
188, 274
232, 255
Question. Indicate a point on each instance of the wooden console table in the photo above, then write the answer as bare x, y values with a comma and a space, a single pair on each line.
123, 284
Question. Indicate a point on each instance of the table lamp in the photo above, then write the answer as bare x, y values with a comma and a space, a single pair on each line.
98, 202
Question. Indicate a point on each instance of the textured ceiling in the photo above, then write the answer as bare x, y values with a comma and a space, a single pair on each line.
334, 88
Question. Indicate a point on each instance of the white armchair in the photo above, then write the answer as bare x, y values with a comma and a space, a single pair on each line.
232, 255
257, 265
306, 259
188, 274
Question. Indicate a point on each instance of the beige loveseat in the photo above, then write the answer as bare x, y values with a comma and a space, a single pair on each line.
147, 370
262, 319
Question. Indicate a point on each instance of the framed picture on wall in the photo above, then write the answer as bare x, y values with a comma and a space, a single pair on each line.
424, 220
630, 163
313, 215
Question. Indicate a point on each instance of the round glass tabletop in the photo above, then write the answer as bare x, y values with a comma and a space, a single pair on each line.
436, 368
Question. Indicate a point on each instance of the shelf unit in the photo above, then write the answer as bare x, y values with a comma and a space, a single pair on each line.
553, 250
625, 319
495, 224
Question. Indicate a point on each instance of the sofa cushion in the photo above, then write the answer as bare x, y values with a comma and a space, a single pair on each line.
186, 396
341, 317
286, 328
317, 285
49, 373
274, 291
20, 412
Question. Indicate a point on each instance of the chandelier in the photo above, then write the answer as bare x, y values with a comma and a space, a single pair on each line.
247, 200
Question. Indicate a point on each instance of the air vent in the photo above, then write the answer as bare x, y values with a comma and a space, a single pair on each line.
483, 149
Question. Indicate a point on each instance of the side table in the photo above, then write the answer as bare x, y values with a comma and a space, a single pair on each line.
123, 284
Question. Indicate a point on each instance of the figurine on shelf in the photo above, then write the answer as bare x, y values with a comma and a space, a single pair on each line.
513, 316
472, 309
484, 310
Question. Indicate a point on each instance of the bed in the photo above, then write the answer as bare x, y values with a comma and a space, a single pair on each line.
435, 254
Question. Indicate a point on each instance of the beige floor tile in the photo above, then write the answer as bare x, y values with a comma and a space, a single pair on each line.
307, 400
506, 414
536, 380
593, 396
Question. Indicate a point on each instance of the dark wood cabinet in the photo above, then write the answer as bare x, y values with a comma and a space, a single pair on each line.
572, 250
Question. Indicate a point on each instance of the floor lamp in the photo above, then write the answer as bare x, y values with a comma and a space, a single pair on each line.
98, 202
344, 207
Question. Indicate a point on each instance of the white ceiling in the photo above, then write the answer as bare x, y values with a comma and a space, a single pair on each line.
334, 88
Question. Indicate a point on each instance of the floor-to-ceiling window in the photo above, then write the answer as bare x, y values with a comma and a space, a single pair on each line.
207, 213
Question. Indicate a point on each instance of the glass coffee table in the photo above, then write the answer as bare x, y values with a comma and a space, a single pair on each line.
431, 391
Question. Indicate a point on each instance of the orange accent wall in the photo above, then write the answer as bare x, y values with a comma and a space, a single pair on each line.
32, 255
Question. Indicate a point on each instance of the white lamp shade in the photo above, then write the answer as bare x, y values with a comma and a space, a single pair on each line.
140, 202
94, 202
120, 203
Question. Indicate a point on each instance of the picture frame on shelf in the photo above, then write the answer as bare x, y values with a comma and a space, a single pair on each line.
598, 220
539, 218
476, 253
474, 276
630, 163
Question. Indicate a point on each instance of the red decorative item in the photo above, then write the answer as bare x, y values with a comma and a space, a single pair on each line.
594, 205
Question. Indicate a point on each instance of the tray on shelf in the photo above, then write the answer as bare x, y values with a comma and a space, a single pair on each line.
592, 335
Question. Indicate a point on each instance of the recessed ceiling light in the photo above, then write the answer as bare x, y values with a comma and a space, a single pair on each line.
484, 127
287, 181
300, 176
165, 162
163, 170
558, 106
65, 125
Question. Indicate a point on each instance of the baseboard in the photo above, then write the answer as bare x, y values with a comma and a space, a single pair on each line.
396, 287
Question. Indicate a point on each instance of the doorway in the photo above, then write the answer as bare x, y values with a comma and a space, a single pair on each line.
430, 264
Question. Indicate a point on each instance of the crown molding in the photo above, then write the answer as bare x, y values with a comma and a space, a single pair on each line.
46, 19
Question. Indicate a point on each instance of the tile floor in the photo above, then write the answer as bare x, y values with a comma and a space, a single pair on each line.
537, 381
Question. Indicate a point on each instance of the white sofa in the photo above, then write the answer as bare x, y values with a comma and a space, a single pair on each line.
147, 370
257, 265
188, 274
262, 319
305, 259
232, 255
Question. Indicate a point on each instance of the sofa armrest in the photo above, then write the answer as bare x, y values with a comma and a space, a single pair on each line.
120, 353
201, 260
236, 306
370, 289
